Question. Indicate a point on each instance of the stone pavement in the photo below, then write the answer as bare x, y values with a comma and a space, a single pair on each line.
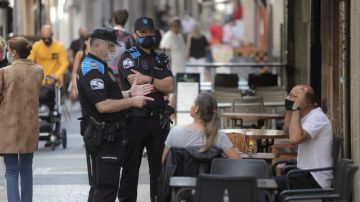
66, 191
61, 175
70, 193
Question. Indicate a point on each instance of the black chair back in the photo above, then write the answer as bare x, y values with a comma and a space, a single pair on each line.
226, 81
186, 161
261, 80
242, 167
346, 184
338, 172
336, 149
217, 188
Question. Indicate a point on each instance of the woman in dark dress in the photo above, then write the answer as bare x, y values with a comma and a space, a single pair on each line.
197, 49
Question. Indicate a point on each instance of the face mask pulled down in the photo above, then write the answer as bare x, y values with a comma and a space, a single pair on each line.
110, 56
288, 104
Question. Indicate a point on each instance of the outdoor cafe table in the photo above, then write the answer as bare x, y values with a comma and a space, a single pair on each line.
190, 183
271, 104
257, 134
259, 117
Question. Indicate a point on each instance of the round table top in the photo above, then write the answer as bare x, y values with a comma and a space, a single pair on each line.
258, 133
252, 116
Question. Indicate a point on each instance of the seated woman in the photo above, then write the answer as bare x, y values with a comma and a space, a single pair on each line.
203, 131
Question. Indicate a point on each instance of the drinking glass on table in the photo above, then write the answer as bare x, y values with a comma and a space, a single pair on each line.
250, 140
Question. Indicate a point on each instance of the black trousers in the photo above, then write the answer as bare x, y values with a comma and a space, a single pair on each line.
47, 96
297, 181
142, 132
104, 171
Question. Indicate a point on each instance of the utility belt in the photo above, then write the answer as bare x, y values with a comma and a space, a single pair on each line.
95, 132
146, 113
163, 114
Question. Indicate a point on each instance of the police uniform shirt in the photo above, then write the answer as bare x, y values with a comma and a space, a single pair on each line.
96, 83
147, 64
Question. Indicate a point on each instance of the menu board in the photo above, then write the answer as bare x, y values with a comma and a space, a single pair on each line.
187, 89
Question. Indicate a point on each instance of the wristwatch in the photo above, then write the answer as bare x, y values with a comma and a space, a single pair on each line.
295, 107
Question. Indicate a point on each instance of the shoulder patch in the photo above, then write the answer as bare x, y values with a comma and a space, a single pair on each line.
97, 84
144, 65
89, 64
134, 53
128, 63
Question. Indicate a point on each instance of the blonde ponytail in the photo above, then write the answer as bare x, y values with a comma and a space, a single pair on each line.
209, 115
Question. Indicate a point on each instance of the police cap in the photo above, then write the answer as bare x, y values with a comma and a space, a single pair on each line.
106, 34
143, 23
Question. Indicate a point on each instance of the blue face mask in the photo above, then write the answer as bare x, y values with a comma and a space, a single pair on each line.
9, 57
146, 41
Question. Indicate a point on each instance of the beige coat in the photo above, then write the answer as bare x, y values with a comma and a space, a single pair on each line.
20, 85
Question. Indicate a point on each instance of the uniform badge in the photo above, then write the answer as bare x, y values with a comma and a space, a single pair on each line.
157, 68
145, 21
93, 65
97, 84
144, 65
112, 77
128, 63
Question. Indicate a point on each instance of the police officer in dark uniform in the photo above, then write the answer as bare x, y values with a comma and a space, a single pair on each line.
149, 127
104, 116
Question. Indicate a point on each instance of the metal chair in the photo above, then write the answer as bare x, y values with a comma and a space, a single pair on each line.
226, 81
343, 186
186, 161
225, 188
336, 155
248, 104
243, 168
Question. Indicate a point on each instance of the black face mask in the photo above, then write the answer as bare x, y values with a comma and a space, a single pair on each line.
146, 41
288, 104
47, 41
84, 38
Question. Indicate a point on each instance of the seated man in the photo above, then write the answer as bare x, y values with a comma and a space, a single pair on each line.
310, 129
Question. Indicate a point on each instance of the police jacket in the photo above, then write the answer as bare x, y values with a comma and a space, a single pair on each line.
96, 83
184, 162
151, 64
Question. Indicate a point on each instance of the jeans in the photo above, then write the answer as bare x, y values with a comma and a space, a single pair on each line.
15, 164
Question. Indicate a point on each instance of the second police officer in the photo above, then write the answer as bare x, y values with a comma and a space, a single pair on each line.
143, 64
104, 115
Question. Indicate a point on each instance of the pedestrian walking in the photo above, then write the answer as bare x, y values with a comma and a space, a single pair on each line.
197, 49
124, 40
20, 85
3, 60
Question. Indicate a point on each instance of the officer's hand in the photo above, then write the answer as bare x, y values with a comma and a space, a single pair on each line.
143, 89
140, 101
141, 79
